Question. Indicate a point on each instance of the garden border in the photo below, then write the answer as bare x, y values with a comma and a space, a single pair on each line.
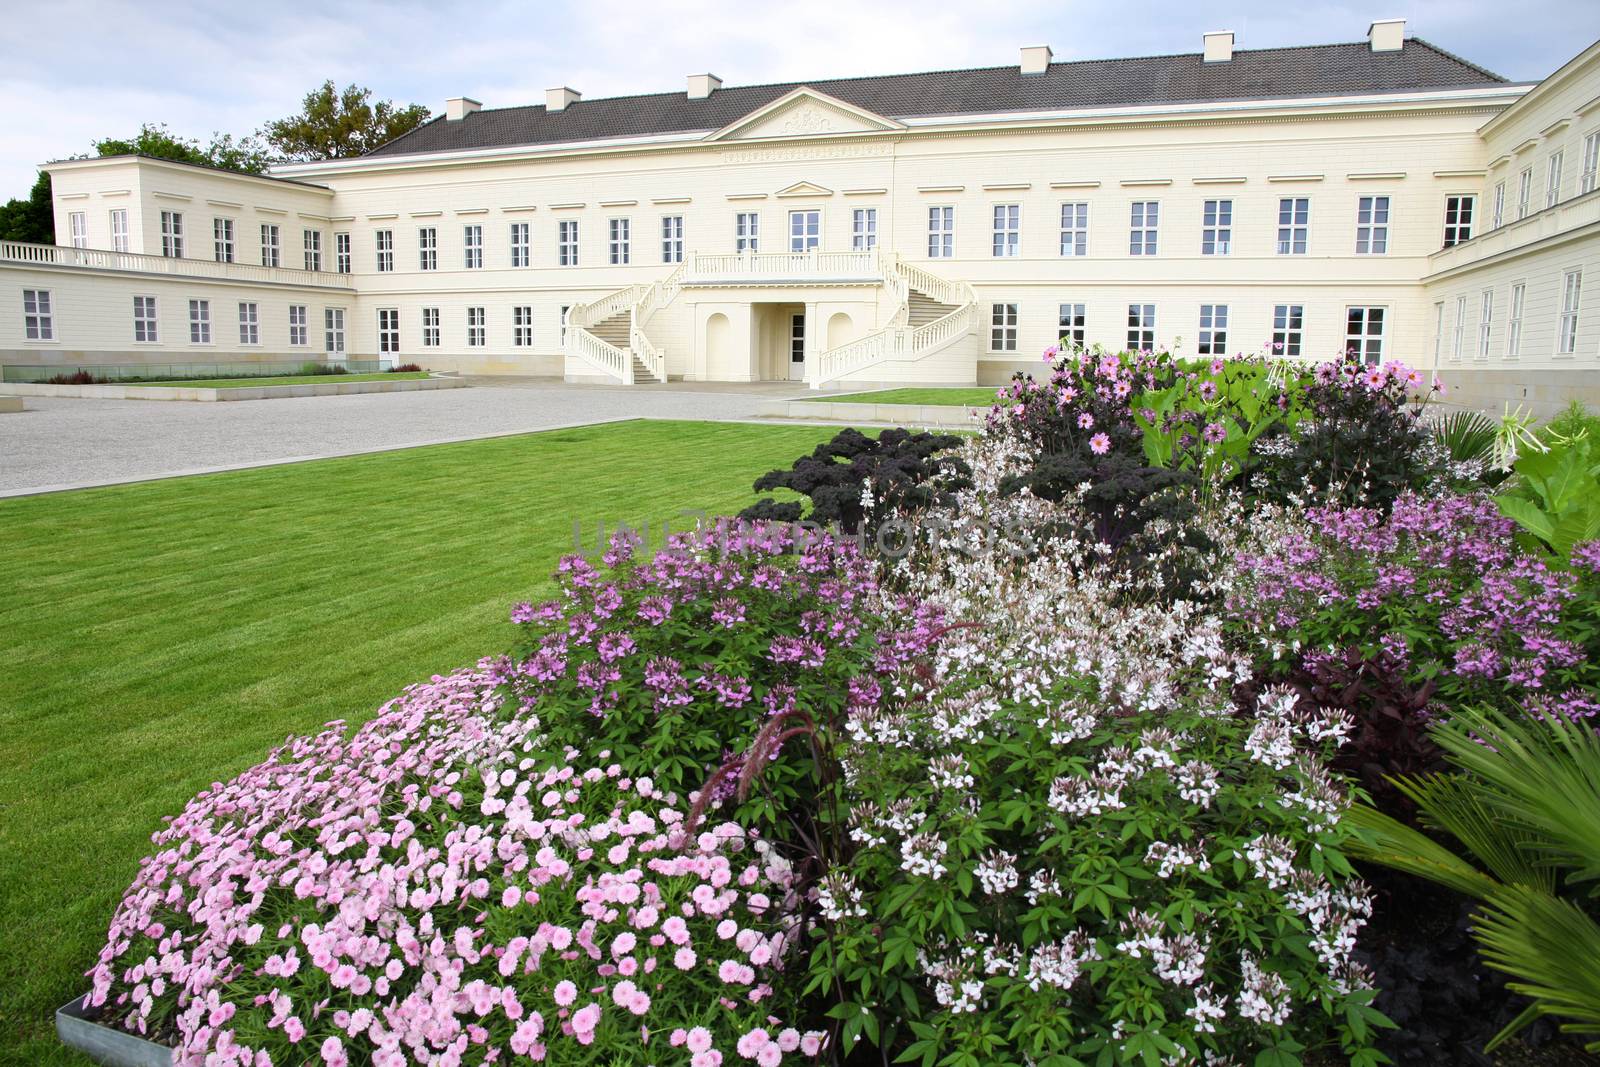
243, 392
942, 416
103, 1044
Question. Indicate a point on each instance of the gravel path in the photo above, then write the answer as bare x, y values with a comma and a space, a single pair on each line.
68, 444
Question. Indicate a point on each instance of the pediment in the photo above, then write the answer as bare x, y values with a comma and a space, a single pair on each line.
804, 113
804, 189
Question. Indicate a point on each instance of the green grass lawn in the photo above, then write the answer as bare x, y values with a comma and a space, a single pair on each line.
165, 635
982, 397
296, 379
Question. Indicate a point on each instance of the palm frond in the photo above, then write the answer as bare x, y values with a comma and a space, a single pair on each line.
1551, 948
1466, 435
1381, 839
1482, 820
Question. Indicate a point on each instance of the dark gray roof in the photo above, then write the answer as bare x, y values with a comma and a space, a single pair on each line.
1314, 70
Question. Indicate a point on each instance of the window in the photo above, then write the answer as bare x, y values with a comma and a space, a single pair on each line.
222, 239
747, 232
1075, 229
388, 331
475, 328
521, 245
1294, 223
1216, 228
313, 249
1519, 295
522, 326
805, 230
1007, 230
472, 247
1072, 324
1003, 328
1213, 330
341, 253
269, 244
1288, 323
249, 324
1591, 162
333, 331
1485, 323
144, 319
1141, 326
864, 229
298, 333
427, 248
941, 232
567, 242
430, 327
1372, 226
199, 322
78, 222
1499, 205
1363, 335
562, 318
1457, 338
672, 239
1458, 215
1524, 191
1552, 180
1438, 330
1142, 228
172, 234
119, 229
38, 321
617, 240
1567, 328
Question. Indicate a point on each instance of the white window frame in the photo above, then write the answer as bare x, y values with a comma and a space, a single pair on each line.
333, 331
1499, 217
1288, 329
1372, 224
1552, 178
427, 248
619, 241
78, 226
567, 242
1074, 228
249, 322
1519, 301
521, 244
388, 331
1007, 242
146, 321
1072, 323
383, 249
1591, 163
1571, 308
311, 243
805, 229
1365, 339
522, 325
1524, 191
477, 327
341, 252
1003, 316
1212, 338
299, 326
271, 249
1294, 226
1438, 329
38, 315
1460, 218
1216, 227
472, 246
1144, 228
119, 229
430, 327
941, 231
747, 231
172, 234
199, 322
863, 229
1485, 322
672, 238
1141, 326
1459, 336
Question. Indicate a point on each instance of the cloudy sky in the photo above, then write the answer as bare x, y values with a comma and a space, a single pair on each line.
80, 70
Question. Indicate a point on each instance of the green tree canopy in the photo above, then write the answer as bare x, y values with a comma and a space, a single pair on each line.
32, 219
338, 125
246, 155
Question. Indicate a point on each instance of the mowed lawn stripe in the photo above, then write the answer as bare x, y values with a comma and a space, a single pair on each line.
165, 635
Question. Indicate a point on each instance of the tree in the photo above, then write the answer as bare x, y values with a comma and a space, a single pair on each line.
246, 155
338, 125
31, 220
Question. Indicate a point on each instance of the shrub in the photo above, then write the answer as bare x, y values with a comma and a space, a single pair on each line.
1555, 496
313, 368
80, 377
406, 368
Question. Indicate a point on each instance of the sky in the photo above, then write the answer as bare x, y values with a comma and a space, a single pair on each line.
77, 71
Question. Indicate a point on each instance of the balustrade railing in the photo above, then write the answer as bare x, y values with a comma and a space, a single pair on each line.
604, 357
782, 266
178, 266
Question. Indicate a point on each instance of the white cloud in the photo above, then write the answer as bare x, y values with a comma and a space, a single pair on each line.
106, 66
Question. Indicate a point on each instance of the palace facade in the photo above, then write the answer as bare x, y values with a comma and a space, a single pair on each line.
1383, 197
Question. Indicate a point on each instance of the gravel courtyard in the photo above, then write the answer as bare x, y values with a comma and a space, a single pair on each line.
63, 444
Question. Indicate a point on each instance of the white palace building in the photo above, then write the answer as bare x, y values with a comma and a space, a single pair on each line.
1382, 196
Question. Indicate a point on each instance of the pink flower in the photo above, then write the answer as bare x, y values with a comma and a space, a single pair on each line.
565, 993
1085, 420
699, 1040
1100, 444
683, 959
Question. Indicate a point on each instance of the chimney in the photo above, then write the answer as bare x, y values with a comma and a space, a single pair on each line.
1218, 45
459, 107
1036, 58
1387, 35
703, 85
560, 98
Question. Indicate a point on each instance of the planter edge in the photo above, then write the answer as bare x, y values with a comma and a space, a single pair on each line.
104, 1045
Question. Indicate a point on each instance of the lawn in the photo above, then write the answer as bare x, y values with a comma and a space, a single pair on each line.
981, 396
165, 635
296, 379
